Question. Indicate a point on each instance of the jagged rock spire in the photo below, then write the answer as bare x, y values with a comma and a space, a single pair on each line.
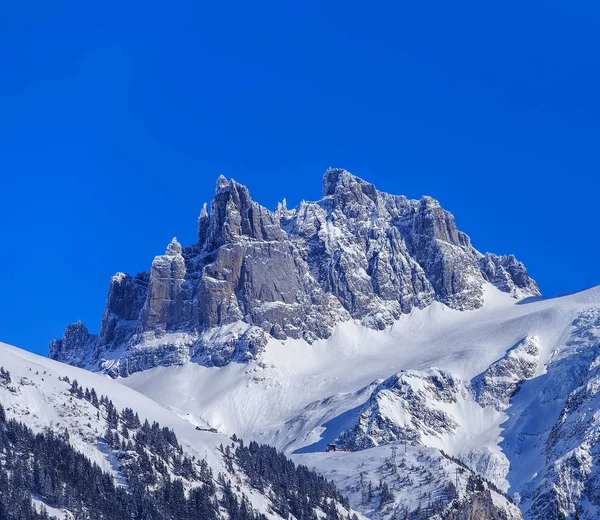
332, 177
346, 188
162, 309
71, 347
222, 183
203, 222
234, 214
204, 211
281, 208
174, 248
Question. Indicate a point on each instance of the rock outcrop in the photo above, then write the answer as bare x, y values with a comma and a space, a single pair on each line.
479, 506
430, 408
407, 407
502, 380
357, 253
75, 347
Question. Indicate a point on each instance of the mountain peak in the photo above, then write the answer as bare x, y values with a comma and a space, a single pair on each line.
428, 202
334, 177
364, 255
174, 248
204, 211
222, 183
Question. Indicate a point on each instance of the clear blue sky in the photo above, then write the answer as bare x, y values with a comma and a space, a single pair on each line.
115, 123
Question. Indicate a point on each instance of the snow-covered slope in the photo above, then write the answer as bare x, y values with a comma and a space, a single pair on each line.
293, 376
300, 396
37, 392
420, 480
41, 399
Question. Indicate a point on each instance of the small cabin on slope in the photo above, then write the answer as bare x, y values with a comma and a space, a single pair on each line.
211, 430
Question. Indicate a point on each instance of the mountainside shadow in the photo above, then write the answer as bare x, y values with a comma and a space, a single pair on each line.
333, 428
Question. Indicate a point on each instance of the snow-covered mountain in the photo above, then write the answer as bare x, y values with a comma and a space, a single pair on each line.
256, 274
368, 321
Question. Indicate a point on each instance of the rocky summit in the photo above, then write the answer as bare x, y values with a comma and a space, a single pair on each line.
255, 274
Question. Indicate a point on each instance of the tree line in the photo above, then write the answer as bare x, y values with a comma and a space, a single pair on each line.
160, 481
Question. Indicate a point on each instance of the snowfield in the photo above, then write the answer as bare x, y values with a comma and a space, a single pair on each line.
299, 396
38, 395
257, 400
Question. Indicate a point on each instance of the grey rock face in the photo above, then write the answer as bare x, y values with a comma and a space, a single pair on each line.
358, 253
508, 274
445, 254
126, 297
164, 308
75, 346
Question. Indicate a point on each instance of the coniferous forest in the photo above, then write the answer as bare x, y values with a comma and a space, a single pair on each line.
160, 480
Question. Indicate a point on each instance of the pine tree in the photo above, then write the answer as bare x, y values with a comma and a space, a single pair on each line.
108, 436
94, 398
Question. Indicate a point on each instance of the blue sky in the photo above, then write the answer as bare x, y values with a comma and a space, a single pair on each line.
115, 123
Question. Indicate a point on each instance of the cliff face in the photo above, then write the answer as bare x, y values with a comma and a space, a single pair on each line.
357, 253
479, 506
